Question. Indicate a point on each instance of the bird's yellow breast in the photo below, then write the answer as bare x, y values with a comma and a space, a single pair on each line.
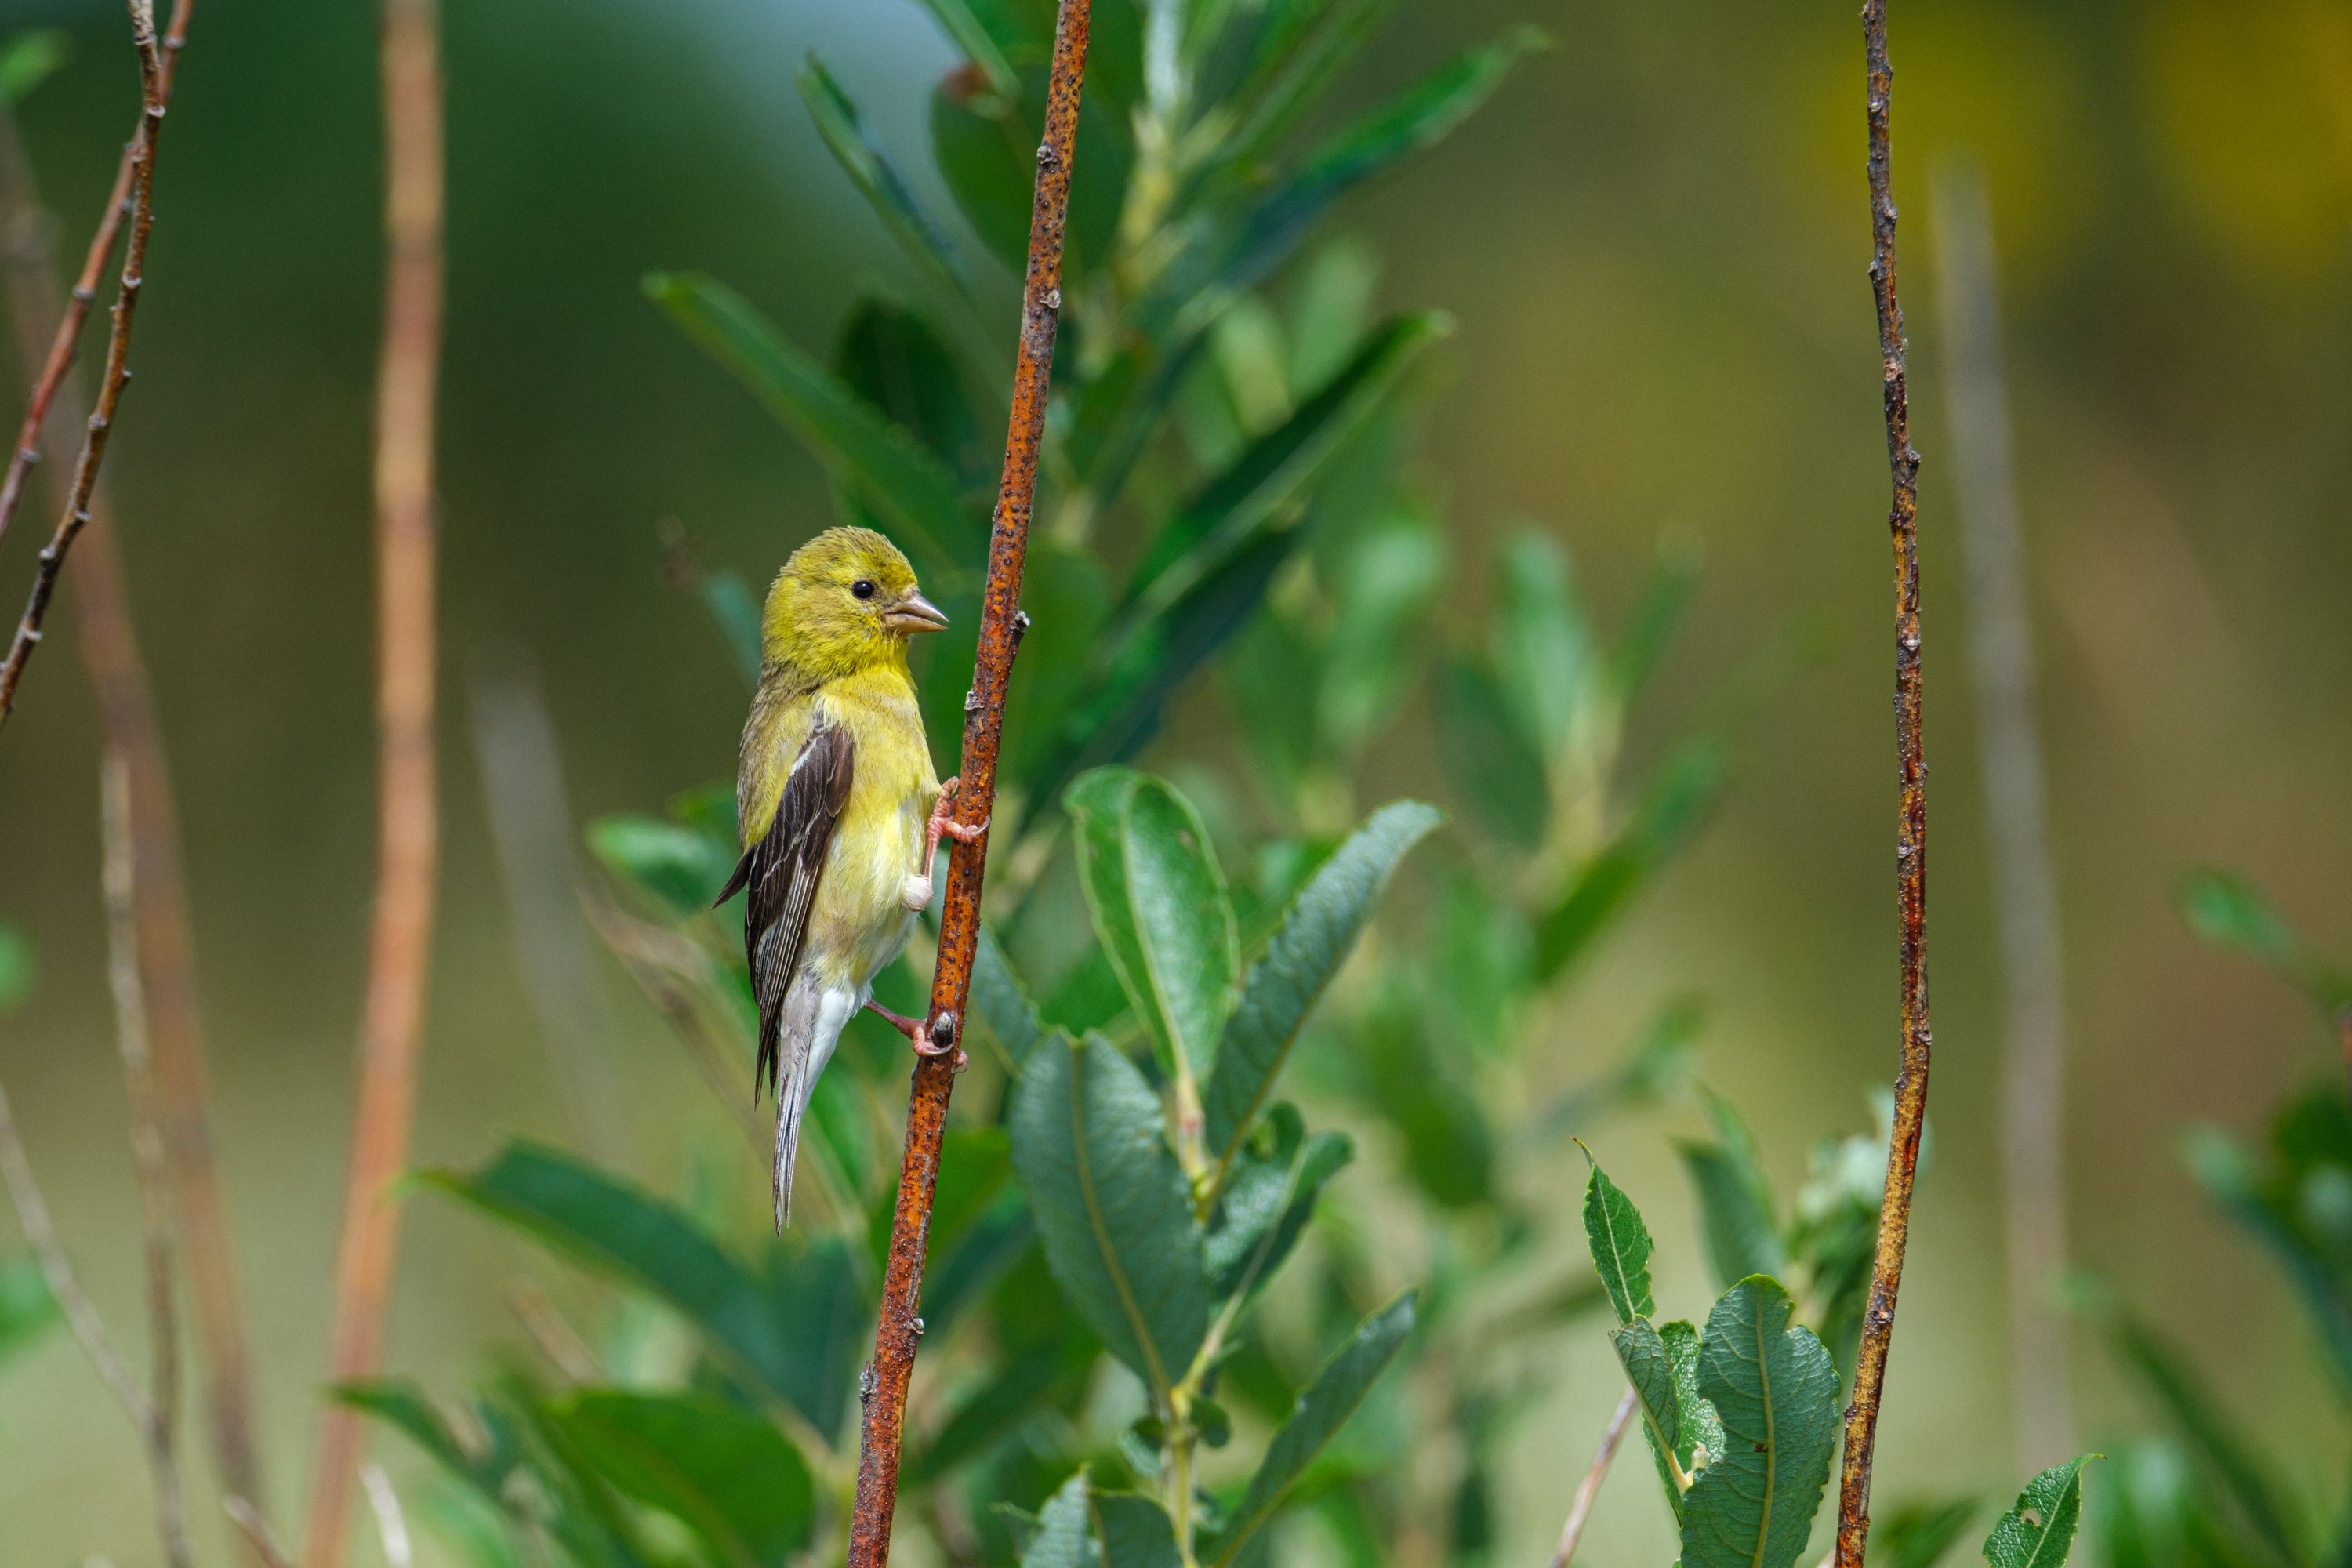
857, 924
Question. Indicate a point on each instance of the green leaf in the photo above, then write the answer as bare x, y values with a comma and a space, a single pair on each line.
2040, 1531
1002, 1000
724, 1473
1266, 1205
1658, 1062
1671, 809
1159, 908
1061, 1538
1069, 600
405, 1406
1621, 1246
907, 489
1234, 258
1112, 1206
1494, 763
1321, 1411
622, 1233
879, 181
986, 151
679, 866
1314, 939
1228, 513
1917, 1535
893, 358
2229, 911
823, 1324
1734, 1201
1776, 1393
28, 60
1701, 1426
1385, 584
1034, 1375
1295, 63
964, 28
27, 1307
1650, 1369
16, 969
1134, 1531
2242, 1474
1638, 649
1543, 646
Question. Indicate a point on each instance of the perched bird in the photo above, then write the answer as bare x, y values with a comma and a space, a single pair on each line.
840, 811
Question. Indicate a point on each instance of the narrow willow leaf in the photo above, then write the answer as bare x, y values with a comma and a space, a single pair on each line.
964, 28
1220, 521
1112, 1206
893, 358
1002, 1001
1740, 1238
1061, 1538
724, 1473
27, 1308
30, 58
735, 611
1299, 62
1159, 908
908, 488
1701, 1436
16, 968
1321, 1411
1491, 760
2231, 911
1134, 1531
1542, 643
1650, 1371
1670, 810
1267, 1205
1642, 644
819, 1304
678, 866
1314, 939
624, 1234
1018, 1389
2040, 1531
1776, 1393
879, 181
405, 1406
1621, 1246
986, 151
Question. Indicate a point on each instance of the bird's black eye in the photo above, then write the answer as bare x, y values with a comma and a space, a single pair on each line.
863, 588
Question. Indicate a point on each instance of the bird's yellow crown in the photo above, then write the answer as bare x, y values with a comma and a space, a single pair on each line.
846, 600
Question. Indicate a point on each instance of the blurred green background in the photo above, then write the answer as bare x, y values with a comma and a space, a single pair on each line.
1653, 242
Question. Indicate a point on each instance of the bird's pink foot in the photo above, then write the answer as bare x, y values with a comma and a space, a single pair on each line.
916, 1036
943, 825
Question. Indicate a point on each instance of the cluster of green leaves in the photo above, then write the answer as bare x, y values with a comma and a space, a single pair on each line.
1741, 1416
2204, 1494
27, 1312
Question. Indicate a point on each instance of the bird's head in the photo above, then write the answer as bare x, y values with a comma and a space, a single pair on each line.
846, 601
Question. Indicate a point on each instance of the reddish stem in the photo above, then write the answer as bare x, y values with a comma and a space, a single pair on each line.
884, 1388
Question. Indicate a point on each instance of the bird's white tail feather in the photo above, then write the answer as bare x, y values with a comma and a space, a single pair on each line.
813, 1020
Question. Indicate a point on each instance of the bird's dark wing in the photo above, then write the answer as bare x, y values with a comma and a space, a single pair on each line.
780, 869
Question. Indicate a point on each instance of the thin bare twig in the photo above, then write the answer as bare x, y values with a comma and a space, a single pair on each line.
49, 369
147, 1157
2001, 645
407, 823
126, 710
256, 1532
1590, 1488
117, 374
1911, 830
900, 1329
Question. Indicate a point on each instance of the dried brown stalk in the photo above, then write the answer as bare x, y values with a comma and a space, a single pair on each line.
153, 89
2025, 883
1590, 1488
126, 710
50, 370
884, 1388
1911, 829
407, 828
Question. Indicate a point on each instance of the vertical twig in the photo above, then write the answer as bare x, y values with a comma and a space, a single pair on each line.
1911, 827
400, 944
884, 1387
49, 369
2000, 646
117, 374
126, 708
391, 1523
147, 1157
1590, 1488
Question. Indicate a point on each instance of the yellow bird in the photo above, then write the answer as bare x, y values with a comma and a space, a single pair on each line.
840, 811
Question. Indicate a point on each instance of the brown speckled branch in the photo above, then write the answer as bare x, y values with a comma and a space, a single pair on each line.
883, 1389
1911, 827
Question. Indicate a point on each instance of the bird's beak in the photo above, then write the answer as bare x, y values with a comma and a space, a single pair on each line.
916, 613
